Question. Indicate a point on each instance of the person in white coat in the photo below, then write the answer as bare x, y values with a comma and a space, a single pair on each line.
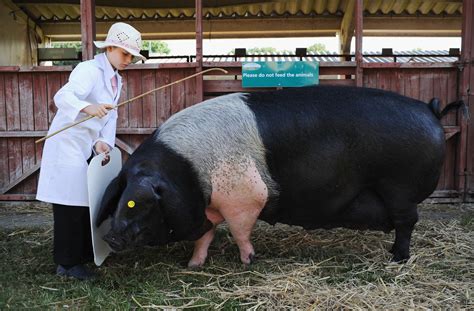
93, 89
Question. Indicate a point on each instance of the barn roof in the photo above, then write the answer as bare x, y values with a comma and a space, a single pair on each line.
57, 10
418, 56
164, 19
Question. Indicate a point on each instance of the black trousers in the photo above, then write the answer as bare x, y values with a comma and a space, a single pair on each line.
72, 235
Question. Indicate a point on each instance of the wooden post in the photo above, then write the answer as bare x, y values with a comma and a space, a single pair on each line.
465, 152
199, 83
87, 28
359, 6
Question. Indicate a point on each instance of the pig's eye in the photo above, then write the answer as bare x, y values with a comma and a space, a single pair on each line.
131, 204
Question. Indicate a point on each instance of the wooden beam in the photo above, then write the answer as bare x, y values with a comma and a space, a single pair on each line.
149, 130
17, 134
427, 26
239, 64
450, 131
230, 86
120, 130
24, 176
358, 16
465, 149
408, 65
88, 28
347, 28
124, 146
135, 130
215, 28
444, 196
17, 197
199, 34
267, 27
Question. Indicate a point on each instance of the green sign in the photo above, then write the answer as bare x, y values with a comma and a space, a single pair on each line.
285, 74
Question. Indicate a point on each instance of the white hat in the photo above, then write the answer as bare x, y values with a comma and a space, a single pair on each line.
123, 36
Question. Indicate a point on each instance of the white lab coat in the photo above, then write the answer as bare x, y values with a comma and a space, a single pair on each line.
63, 174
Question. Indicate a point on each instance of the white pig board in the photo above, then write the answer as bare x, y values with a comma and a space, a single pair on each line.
98, 178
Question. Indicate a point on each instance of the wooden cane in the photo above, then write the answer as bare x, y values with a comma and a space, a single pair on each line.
130, 100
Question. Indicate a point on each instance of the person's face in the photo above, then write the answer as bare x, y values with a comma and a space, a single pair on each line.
118, 57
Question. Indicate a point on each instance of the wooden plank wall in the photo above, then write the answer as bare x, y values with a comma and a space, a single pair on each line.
424, 84
419, 83
146, 114
27, 108
24, 110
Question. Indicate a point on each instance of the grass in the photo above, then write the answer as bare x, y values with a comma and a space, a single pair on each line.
295, 269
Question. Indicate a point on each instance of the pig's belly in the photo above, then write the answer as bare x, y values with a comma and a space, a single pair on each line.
237, 190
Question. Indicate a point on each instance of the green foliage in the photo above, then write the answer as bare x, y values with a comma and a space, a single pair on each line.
156, 47
264, 50
76, 44
317, 48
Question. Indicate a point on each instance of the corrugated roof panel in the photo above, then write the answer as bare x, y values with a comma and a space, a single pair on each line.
399, 6
318, 6
333, 6
386, 6
425, 7
451, 8
372, 6
412, 6
48, 10
439, 7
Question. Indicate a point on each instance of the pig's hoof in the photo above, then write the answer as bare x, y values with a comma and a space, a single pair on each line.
249, 260
196, 264
400, 257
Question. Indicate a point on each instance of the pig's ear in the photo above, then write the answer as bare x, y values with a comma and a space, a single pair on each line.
110, 200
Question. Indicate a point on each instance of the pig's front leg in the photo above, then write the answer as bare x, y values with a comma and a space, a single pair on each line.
201, 246
200, 249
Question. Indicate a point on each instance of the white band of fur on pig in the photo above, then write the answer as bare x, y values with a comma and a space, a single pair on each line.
218, 132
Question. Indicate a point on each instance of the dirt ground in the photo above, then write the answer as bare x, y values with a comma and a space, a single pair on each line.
32, 214
35, 214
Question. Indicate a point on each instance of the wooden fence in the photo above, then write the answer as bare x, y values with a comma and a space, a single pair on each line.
27, 108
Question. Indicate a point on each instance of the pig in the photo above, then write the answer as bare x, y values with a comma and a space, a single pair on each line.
316, 157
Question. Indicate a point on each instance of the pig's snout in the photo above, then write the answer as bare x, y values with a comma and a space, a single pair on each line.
115, 242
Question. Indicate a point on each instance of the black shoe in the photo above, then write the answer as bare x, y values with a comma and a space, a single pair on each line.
79, 272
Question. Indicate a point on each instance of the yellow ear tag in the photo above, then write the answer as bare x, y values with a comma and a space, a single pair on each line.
131, 204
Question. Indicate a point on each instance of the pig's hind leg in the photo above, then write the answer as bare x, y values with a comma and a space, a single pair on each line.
241, 225
404, 215
239, 195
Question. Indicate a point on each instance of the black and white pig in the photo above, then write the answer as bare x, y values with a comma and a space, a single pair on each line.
316, 157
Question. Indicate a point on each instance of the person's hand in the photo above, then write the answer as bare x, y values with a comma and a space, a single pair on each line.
97, 110
101, 147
